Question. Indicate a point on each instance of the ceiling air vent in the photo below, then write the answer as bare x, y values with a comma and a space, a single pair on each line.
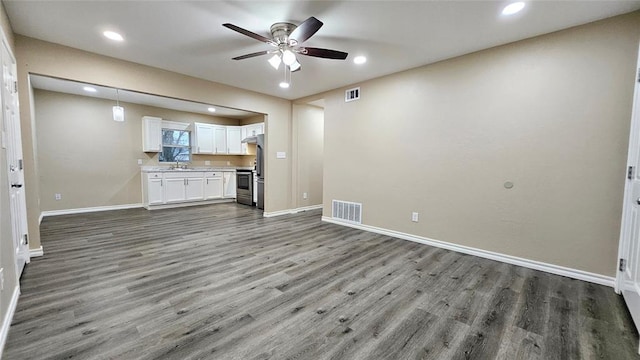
352, 94
347, 211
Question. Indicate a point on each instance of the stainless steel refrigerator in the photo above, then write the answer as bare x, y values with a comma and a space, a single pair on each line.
260, 169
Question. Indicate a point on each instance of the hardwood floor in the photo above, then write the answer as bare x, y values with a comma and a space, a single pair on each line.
221, 282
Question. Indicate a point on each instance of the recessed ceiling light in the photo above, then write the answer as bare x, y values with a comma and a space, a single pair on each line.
113, 36
359, 60
284, 85
89, 89
513, 8
211, 109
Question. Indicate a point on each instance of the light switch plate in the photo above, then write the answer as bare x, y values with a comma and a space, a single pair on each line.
414, 217
139, 161
281, 155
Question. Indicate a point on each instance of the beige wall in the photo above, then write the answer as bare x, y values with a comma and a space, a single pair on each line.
308, 127
91, 160
39, 57
551, 114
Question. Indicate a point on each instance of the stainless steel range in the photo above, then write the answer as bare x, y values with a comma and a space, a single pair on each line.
244, 187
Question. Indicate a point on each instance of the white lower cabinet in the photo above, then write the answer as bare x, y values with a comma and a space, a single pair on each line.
194, 188
154, 189
229, 184
174, 190
213, 187
187, 186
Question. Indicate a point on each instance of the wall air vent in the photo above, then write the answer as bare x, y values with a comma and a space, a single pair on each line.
352, 94
347, 211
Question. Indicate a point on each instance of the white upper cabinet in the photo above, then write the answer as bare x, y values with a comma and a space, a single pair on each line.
250, 130
234, 140
220, 139
151, 134
204, 141
254, 129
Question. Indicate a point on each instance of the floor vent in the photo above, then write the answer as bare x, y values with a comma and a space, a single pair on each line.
347, 211
352, 94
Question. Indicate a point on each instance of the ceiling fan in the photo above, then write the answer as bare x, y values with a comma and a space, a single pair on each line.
286, 38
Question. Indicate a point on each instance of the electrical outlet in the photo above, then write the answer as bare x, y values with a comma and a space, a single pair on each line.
414, 216
58, 196
1, 279
139, 161
304, 195
207, 162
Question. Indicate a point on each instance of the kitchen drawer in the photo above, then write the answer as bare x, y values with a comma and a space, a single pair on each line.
154, 175
213, 174
183, 175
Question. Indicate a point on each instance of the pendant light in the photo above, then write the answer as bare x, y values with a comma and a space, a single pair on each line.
118, 111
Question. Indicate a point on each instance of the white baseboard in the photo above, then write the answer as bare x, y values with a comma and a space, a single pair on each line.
188, 203
514, 260
8, 317
36, 252
291, 211
88, 210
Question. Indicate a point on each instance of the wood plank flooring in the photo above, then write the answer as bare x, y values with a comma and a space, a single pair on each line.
221, 282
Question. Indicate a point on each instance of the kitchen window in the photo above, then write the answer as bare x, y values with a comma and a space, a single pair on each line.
176, 146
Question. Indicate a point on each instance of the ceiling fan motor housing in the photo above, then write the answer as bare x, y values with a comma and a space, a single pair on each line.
280, 32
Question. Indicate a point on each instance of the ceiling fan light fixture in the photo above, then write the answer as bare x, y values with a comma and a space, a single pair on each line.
275, 61
295, 66
288, 57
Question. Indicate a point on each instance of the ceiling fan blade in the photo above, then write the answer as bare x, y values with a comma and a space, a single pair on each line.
323, 53
248, 33
259, 53
306, 30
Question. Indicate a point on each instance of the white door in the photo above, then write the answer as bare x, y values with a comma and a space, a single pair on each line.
195, 189
229, 184
154, 191
628, 279
204, 139
174, 189
213, 187
11, 140
234, 139
220, 135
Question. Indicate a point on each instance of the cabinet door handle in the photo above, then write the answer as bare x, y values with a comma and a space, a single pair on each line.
207, 181
228, 150
160, 182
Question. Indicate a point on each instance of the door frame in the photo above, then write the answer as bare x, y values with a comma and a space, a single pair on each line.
632, 160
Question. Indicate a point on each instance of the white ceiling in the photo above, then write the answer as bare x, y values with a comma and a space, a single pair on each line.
103, 92
188, 37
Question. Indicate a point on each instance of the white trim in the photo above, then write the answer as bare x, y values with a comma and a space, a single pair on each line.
36, 252
89, 209
514, 260
6, 322
291, 211
40, 218
188, 203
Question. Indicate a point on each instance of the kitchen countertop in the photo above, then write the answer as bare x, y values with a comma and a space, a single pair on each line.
194, 168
